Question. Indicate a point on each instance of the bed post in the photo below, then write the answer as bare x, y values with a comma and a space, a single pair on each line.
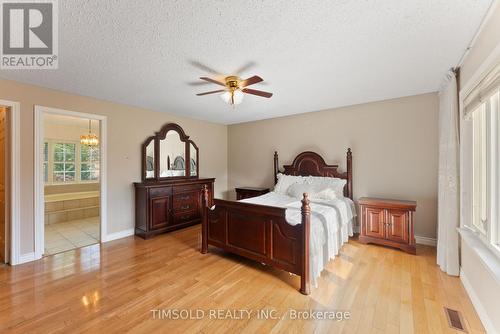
349, 174
204, 220
276, 167
306, 216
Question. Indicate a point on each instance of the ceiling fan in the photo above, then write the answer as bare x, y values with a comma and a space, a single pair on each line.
235, 88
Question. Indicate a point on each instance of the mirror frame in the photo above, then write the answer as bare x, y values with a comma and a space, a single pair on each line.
161, 135
145, 145
197, 158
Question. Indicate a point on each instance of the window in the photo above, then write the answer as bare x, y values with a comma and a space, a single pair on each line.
46, 162
70, 162
486, 169
64, 162
89, 163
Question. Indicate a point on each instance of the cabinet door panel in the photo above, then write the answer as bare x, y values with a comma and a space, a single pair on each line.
397, 225
374, 222
160, 212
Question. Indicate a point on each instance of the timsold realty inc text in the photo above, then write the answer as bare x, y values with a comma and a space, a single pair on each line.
242, 314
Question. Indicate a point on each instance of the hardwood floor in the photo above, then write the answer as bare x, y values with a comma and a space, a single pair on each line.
113, 288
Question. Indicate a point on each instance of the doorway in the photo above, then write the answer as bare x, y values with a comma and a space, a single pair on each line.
70, 178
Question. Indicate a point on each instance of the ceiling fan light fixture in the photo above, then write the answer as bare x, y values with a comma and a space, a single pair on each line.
233, 97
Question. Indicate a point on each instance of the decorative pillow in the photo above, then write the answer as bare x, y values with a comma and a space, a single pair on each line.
297, 190
315, 191
336, 184
285, 181
326, 194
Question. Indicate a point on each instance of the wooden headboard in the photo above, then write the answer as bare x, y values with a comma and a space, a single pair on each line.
311, 163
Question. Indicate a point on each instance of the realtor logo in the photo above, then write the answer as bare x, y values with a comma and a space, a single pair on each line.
29, 34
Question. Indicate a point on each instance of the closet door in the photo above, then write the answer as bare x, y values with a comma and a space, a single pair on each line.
397, 225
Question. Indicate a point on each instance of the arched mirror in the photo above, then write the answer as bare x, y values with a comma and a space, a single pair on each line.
170, 154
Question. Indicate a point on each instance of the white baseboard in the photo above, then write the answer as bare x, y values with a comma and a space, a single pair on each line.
426, 241
23, 258
481, 311
118, 235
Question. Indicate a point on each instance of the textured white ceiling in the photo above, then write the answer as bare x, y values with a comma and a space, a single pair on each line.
313, 55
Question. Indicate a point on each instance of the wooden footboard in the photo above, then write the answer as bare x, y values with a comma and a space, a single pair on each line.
260, 233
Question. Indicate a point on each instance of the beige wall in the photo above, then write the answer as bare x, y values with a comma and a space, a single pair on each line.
394, 146
485, 287
127, 128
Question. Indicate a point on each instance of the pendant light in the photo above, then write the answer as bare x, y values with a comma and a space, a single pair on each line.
89, 139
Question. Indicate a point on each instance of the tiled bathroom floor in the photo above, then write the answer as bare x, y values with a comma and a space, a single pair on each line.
61, 237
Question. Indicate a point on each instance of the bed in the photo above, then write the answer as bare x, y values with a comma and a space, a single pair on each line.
291, 231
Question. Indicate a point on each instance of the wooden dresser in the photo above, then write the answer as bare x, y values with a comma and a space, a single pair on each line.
168, 205
169, 196
388, 222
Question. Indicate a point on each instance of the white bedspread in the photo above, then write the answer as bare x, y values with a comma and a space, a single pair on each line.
331, 225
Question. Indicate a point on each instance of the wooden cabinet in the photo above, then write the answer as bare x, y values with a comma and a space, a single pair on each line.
168, 205
388, 222
248, 192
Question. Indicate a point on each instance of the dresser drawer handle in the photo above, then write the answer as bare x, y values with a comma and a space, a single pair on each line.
185, 217
185, 207
185, 197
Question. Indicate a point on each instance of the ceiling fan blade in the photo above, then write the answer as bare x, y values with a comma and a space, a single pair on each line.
257, 92
212, 92
250, 81
213, 81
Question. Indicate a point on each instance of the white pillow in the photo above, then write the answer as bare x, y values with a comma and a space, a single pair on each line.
297, 190
315, 191
285, 181
333, 183
327, 194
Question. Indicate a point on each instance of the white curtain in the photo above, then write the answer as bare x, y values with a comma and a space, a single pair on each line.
448, 183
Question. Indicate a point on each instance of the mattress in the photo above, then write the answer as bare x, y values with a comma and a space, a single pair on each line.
331, 225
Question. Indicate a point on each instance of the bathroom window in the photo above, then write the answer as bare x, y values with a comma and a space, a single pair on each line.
70, 162
46, 162
64, 162
89, 163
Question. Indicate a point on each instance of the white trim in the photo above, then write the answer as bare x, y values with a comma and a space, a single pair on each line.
118, 235
488, 258
28, 257
486, 66
426, 241
39, 181
476, 302
15, 183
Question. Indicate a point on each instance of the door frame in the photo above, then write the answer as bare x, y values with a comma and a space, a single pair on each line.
13, 225
39, 182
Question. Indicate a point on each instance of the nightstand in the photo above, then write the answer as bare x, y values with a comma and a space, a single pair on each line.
388, 222
247, 192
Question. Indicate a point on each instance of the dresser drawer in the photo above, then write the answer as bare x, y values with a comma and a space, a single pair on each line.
186, 201
183, 217
190, 187
160, 192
